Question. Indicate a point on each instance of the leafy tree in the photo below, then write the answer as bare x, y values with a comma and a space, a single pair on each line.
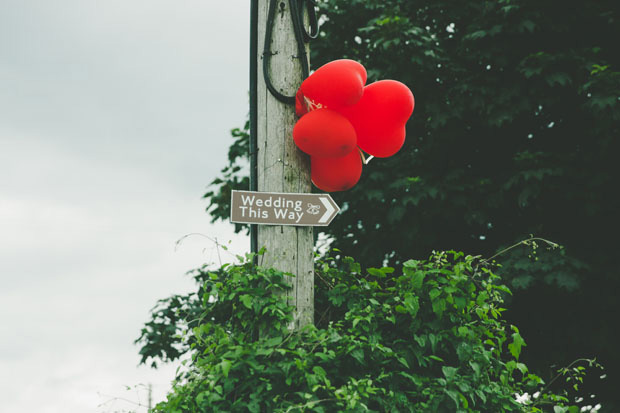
431, 338
515, 132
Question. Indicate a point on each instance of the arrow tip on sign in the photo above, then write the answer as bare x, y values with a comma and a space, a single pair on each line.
330, 210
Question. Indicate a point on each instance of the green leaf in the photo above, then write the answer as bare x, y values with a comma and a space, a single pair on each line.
449, 372
254, 406
598, 68
434, 339
417, 279
274, 341
439, 306
511, 365
319, 371
454, 395
482, 298
463, 398
515, 346
358, 355
246, 300
225, 365
475, 367
476, 35
460, 302
421, 340
376, 272
415, 379
413, 304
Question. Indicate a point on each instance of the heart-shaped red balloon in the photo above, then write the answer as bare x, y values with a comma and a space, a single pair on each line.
386, 143
336, 174
336, 84
325, 133
380, 116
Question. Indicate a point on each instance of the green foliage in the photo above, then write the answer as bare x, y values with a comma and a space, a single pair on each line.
234, 176
515, 132
172, 318
429, 337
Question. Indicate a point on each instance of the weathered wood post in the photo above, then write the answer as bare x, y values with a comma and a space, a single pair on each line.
281, 167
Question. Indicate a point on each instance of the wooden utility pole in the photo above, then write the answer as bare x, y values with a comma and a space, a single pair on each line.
281, 167
150, 398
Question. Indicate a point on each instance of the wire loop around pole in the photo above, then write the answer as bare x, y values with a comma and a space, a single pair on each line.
302, 36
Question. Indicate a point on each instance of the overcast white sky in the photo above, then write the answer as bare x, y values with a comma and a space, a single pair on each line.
114, 117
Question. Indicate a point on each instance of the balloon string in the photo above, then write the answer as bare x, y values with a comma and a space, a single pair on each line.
365, 160
312, 105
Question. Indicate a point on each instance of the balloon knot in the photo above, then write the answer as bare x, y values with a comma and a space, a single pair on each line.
312, 105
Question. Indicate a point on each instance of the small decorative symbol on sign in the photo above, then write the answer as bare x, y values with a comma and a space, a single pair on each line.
313, 209
273, 208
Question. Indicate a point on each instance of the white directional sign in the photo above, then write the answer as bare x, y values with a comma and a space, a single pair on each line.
272, 208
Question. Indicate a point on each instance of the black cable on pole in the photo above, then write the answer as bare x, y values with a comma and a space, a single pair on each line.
302, 36
253, 112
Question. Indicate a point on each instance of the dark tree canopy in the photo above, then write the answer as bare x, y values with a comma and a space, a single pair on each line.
515, 132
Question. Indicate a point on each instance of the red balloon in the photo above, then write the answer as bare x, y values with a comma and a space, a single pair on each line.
325, 133
380, 116
333, 85
336, 174
388, 144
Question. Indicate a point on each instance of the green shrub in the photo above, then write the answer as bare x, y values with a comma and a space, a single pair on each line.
427, 339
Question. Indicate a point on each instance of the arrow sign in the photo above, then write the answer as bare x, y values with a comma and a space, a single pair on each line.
274, 208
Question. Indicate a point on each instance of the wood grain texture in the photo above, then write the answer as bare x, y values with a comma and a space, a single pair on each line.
281, 166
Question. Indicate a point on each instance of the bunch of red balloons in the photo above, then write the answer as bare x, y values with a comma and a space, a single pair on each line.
338, 114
